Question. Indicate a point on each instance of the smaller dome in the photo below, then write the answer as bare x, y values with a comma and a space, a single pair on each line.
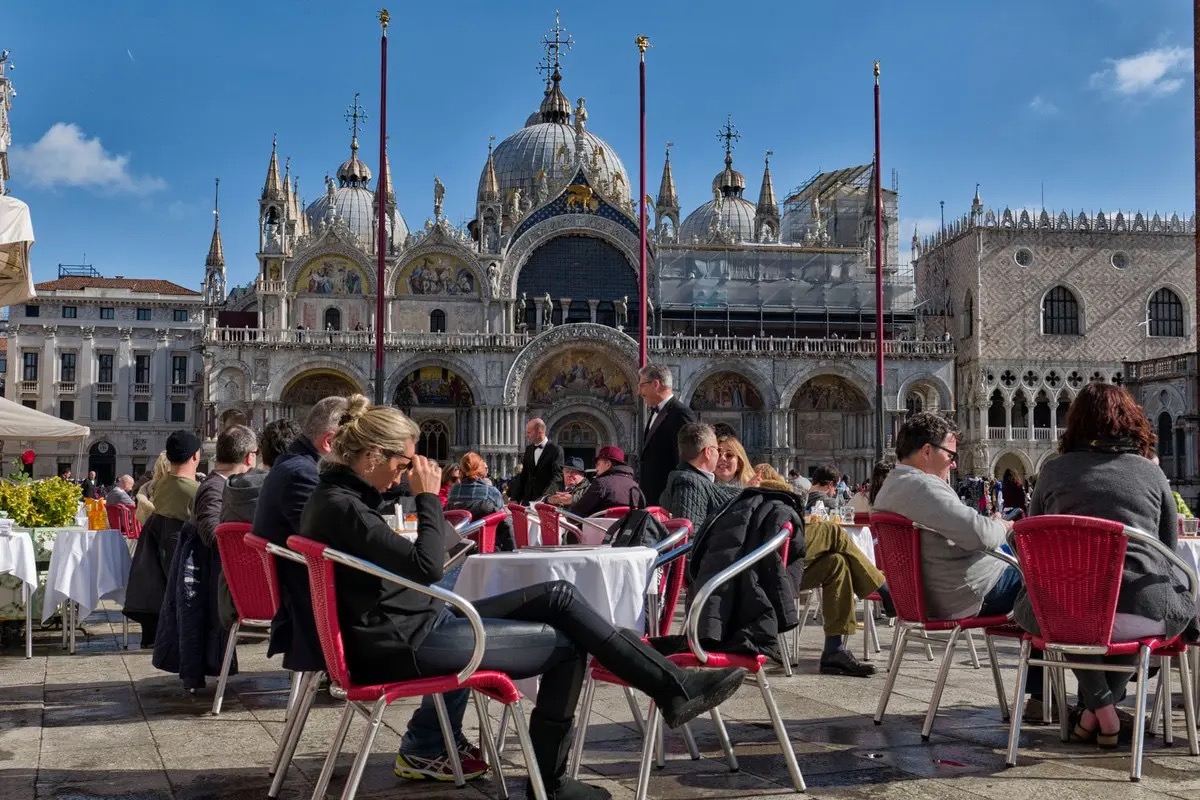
729, 181
736, 216
355, 207
353, 172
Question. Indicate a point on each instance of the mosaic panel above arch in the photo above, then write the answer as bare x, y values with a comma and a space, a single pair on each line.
307, 388
580, 372
438, 274
724, 391
433, 386
829, 393
331, 275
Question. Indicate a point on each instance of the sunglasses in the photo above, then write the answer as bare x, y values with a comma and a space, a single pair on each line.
952, 453
389, 454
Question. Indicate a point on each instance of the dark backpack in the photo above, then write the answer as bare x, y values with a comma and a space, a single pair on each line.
638, 528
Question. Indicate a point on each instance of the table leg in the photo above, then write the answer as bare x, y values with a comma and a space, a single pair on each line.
28, 621
72, 612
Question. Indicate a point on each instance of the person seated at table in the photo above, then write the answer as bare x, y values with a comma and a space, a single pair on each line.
824, 489
172, 498
475, 493
614, 485
451, 475
575, 484
1104, 471
833, 563
547, 629
119, 494
691, 491
878, 475
959, 578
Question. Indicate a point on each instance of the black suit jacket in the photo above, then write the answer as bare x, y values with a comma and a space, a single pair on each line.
538, 480
660, 450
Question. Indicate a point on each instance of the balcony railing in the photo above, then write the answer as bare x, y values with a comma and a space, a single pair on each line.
142, 389
29, 387
105, 387
997, 433
1021, 433
684, 345
179, 390
66, 387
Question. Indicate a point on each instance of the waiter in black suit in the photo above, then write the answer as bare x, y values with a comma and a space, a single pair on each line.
541, 466
665, 416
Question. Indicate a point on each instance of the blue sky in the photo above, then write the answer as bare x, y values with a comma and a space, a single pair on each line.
127, 110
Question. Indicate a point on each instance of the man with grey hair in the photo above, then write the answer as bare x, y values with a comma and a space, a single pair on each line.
691, 490
119, 494
665, 417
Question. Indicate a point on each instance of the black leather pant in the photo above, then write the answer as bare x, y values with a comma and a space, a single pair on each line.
546, 629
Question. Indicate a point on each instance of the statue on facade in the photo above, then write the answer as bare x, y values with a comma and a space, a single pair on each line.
491, 237
581, 116
622, 308
493, 274
330, 189
439, 194
515, 203
541, 186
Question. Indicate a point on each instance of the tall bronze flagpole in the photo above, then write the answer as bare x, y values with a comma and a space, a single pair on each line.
642, 43
381, 214
878, 283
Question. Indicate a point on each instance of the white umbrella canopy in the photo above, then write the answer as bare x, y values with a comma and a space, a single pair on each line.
16, 237
19, 422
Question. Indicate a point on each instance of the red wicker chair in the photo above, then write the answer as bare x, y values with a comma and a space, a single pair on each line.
898, 544
253, 596
520, 523
1072, 568
457, 517
122, 517
371, 701
553, 525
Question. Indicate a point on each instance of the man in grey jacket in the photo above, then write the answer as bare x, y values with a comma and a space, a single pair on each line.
960, 578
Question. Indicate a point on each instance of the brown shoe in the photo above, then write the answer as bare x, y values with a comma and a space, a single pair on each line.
1035, 712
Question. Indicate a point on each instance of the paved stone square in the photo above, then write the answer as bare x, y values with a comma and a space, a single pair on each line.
105, 724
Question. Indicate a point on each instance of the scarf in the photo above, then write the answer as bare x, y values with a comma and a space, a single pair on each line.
1121, 444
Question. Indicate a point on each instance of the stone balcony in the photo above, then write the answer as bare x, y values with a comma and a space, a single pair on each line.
28, 387
66, 388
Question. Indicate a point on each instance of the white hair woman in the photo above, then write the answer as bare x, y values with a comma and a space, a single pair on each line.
546, 629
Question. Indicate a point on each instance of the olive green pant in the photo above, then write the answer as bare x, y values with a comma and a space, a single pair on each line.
834, 564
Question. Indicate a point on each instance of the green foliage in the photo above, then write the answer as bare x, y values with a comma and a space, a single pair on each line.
1182, 507
49, 503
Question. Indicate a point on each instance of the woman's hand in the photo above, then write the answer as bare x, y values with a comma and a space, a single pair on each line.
426, 476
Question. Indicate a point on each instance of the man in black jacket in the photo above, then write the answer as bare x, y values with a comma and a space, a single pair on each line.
541, 466
665, 417
614, 485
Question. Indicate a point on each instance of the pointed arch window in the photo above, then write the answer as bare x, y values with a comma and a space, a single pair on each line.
1165, 314
333, 319
1060, 313
437, 321
435, 440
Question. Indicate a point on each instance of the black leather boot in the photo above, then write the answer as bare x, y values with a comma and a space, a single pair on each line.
551, 745
680, 694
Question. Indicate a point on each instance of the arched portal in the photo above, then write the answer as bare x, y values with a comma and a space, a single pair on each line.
833, 424
579, 434
581, 268
729, 398
102, 457
306, 389
435, 392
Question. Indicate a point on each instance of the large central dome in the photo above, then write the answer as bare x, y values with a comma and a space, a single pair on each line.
547, 145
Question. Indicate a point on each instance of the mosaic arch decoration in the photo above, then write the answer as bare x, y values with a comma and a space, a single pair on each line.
309, 387
432, 386
331, 275
725, 391
437, 274
829, 393
579, 372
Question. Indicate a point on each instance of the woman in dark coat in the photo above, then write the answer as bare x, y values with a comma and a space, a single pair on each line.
547, 629
1012, 492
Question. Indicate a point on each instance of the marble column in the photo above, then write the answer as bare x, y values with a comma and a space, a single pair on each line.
592, 306
565, 303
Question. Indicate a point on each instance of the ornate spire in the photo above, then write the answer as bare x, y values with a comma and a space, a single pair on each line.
353, 172
216, 251
491, 186
667, 197
729, 182
977, 207
272, 189
555, 105
766, 195
289, 198
386, 182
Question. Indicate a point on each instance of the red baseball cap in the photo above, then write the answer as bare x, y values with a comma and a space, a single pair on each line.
612, 453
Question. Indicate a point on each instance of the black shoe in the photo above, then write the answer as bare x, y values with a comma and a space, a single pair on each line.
551, 740
843, 662
703, 690
885, 597
571, 789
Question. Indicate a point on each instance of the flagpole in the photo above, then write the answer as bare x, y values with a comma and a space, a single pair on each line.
642, 43
381, 214
878, 282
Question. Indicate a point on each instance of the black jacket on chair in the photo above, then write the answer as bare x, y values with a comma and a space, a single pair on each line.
540, 479
747, 614
660, 450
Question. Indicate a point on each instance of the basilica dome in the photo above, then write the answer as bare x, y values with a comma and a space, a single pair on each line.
547, 144
730, 213
354, 204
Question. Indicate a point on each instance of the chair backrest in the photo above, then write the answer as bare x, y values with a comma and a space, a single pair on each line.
123, 517
673, 577
616, 512
485, 537
520, 524
322, 585
898, 554
457, 516
548, 517
862, 517
252, 595
259, 545
1072, 570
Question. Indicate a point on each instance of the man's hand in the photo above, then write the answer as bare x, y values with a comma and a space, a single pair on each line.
425, 476
559, 499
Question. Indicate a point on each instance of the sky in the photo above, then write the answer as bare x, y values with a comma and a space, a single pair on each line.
127, 110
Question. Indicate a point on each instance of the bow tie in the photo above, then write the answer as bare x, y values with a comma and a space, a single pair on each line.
538, 446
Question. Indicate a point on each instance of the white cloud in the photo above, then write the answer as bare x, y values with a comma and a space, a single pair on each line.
1156, 72
1042, 107
65, 156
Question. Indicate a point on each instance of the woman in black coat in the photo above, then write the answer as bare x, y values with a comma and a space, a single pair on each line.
391, 633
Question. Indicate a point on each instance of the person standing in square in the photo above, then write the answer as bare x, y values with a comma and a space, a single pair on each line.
665, 417
541, 466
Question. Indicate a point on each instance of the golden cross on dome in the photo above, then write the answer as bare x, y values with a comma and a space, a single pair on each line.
729, 134
555, 47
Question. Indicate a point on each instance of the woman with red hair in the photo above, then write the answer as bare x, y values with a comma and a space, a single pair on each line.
1104, 470
475, 493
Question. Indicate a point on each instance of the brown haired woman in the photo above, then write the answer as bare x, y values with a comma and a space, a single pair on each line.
1104, 471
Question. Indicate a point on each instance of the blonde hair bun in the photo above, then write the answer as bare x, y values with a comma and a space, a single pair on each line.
356, 406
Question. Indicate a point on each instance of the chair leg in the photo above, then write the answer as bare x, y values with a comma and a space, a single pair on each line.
660, 750
653, 723
364, 750
785, 654
723, 738
971, 647
489, 745
1164, 673
124, 632
531, 763
502, 731
1139, 728
899, 638
943, 673
689, 742
1059, 682
585, 715
335, 749
1189, 702
439, 704
230, 647
295, 689
633, 709
785, 743
1014, 727
997, 678
868, 628
293, 731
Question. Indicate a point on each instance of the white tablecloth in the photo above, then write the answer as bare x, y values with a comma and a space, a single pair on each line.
16, 556
86, 567
862, 537
1189, 551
